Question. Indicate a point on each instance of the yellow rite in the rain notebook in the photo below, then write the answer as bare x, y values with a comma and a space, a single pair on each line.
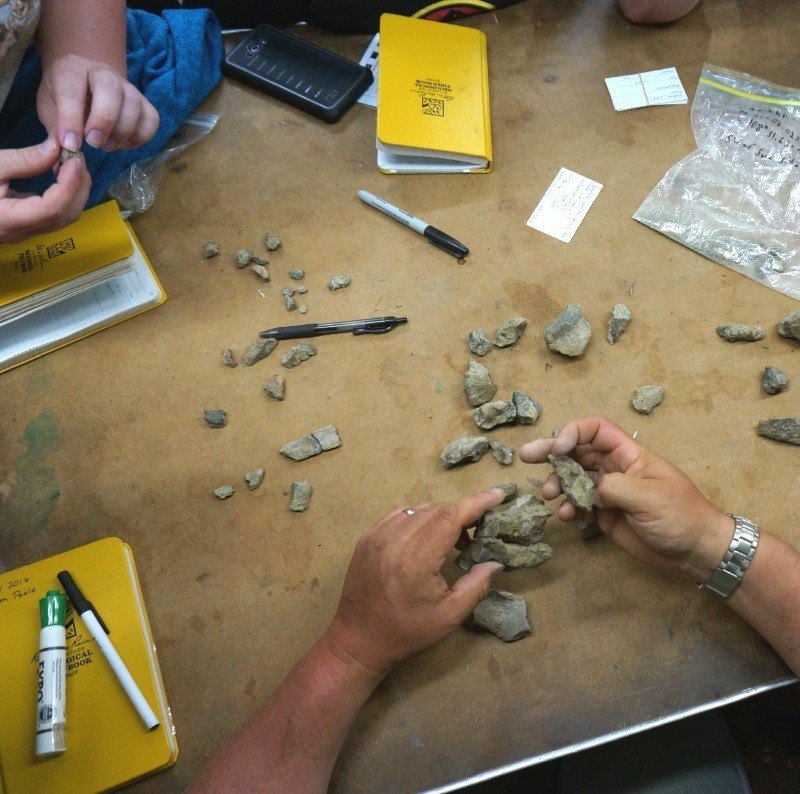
107, 743
62, 286
433, 98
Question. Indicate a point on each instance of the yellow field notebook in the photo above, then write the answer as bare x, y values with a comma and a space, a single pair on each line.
107, 743
62, 286
433, 98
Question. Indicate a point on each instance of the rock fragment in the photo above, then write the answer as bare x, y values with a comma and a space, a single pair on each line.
527, 408
338, 282
618, 322
260, 271
741, 333
647, 398
774, 380
215, 417
328, 437
272, 242
504, 615
786, 430
289, 300
228, 359
303, 309
511, 555
301, 289
478, 343
297, 274
464, 450
254, 478
69, 154
510, 489
478, 384
509, 332
301, 495
298, 354
210, 249
789, 326
245, 257
501, 452
588, 529
569, 333
275, 387
224, 491
522, 521
260, 349
301, 448
492, 414
575, 482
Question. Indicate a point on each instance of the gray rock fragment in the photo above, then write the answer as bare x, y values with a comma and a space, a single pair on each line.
575, 482
215, 417
588, 529
527, 408
774, 380
478, 384
569, 333
301, 495
245, 257
647, 398
272, 242
741, 333
328, 437
786, 430
504, 615
297, 274
275, 387
510, 489
789, 326
338, 282
69, 154
298, 354
260, 271
478, 343
464, 450
224, 491
210, 249
289, 301
254, 478
301, 289
492, 414
304, 309
501, 452
228, 359
522, 521
510, 332
260, 349
512, 555
302, 448
618, 322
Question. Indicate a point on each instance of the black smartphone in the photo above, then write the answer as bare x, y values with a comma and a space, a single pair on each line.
297, 72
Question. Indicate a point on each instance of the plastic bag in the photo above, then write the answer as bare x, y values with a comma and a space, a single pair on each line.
736, 198
135, 189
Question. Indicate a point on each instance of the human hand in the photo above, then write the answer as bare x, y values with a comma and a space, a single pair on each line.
649, 507
395, 601
79, 97
22, 216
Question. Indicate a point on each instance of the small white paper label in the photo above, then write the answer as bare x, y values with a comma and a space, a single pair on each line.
370, 58
564, 205
658, 87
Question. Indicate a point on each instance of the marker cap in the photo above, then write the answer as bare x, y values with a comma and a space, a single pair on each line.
53, 608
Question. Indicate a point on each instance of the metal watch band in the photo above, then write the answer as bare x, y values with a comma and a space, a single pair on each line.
728, 574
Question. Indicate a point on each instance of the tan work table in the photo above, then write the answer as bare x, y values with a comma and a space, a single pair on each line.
237, 590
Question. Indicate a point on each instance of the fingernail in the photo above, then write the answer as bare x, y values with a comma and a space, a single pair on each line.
47, 146
95, 138
498, 566
71, 141
497, 491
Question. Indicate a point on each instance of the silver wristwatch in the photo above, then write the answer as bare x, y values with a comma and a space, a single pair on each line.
728, 574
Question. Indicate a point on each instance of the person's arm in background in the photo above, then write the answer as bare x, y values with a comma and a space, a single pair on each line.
644, 12
654, 512
394, 603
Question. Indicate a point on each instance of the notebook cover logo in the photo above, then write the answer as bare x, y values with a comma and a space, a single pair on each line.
59, 248
432, 107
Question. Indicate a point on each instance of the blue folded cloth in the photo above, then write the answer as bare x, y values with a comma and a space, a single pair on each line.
174, 59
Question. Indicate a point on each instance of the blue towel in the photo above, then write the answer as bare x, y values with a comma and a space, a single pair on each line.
173, 59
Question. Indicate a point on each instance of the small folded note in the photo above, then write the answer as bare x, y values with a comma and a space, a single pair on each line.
659, 87
564, 205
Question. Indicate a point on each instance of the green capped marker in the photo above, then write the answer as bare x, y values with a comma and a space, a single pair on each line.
51, 693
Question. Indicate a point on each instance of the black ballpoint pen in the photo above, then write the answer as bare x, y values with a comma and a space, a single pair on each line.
372, 325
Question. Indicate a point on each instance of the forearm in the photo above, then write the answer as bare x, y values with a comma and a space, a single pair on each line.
90, 28
292, 741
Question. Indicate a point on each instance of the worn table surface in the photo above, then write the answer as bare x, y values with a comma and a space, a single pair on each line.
107, 436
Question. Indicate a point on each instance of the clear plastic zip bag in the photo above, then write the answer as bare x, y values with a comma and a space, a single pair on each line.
135, 189
736, 198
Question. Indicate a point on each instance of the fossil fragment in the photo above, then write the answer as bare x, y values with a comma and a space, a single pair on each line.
491, 415
260, 271
512, 555
301, 495
588, 529
789, 326
215, 417
210, 249
298, 354
527, 408
338, 282
224, 491
618, 322
741, 333
254, 478
303, 309
501, 452
575, 482
328, 437
569, 333
321, 440
522, 521
245, 257
464, 450
647, 398
478, 384
261, 348
478, 343
774, 380
275, 387
504, 615
68, 154
228, 359
509, 332
510, 489
786, 430
272, 242
297, 274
